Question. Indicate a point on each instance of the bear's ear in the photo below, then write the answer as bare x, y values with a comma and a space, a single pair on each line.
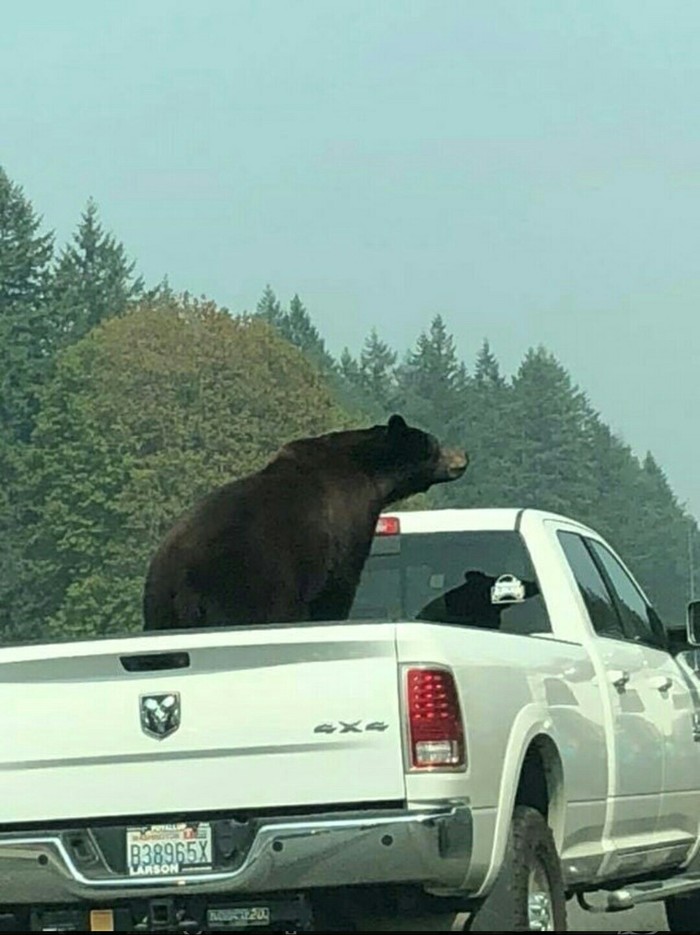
396, 424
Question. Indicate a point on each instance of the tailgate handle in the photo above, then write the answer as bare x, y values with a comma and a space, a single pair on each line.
155, 662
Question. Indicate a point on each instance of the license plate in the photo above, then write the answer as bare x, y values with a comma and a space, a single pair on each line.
168, 850
239, 917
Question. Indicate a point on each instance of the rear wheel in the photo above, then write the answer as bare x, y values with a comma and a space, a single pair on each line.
528, 895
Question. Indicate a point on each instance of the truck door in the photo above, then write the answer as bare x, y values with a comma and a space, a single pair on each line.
670, 702
637, 760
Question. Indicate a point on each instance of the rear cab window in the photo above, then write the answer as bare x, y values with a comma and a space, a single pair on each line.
482, 579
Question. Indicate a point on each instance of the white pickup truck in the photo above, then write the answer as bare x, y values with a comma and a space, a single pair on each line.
500, 727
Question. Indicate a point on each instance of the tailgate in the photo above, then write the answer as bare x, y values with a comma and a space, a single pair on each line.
268, 718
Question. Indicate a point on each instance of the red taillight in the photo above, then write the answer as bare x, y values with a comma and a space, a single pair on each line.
388, 526
436, 733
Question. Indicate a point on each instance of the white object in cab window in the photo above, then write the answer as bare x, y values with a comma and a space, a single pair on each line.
507, 590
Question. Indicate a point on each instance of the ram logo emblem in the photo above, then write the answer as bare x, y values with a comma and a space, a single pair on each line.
160, 714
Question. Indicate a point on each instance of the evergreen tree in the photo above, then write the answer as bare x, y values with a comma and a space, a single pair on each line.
487, 373
549, 434
657, 548
269, 308
93, 280
483, 426
297, 327
349, 390
376, 372
432, 380
615, 476
349, 369
26, 335
26, 343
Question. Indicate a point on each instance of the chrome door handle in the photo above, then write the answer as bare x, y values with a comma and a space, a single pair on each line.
661, 683
619, 677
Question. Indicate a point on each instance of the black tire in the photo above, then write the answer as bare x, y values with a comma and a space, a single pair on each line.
531, 849
683, 913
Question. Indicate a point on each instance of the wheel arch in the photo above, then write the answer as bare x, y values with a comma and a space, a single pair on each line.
541, 783
538, 781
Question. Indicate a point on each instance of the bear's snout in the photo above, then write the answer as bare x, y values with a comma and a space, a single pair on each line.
453, 463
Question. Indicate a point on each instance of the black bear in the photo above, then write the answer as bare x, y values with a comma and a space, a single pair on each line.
289, 542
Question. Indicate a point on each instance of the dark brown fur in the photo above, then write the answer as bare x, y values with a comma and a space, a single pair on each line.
289, 542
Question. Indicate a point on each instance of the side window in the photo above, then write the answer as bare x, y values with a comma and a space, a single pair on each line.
639, 619
599, 603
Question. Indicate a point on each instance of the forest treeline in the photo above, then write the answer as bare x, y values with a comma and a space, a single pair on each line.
121, 402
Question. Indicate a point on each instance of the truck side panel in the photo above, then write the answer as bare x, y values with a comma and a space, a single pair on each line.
512, 689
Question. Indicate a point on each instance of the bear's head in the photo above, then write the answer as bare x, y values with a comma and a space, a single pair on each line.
399, 460
411, 460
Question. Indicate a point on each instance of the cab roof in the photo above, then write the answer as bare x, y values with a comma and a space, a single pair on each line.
470, 519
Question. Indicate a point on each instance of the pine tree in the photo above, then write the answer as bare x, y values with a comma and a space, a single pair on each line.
93, 280
548, 432
615, 475
349, 369
487, 373
296, 327
656, 549
300, 331
269, 308
26, 335
432, 370
376, 372
483, 426
26, 345
432, 380
349, 390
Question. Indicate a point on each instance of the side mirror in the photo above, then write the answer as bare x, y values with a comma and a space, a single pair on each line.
693, 624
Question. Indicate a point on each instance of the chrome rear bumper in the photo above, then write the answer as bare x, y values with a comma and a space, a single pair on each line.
430, 847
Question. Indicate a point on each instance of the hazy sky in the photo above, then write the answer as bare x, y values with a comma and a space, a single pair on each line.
531, 170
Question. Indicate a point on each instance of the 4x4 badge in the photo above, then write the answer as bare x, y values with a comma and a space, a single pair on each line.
349, 727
